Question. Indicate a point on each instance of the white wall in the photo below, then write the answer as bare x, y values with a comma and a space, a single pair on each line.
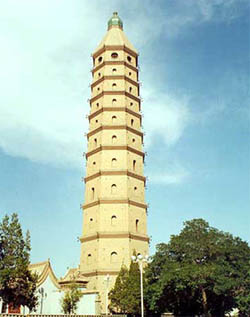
86, 306
51, 303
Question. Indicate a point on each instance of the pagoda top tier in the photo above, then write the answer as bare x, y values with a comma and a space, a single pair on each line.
115, 35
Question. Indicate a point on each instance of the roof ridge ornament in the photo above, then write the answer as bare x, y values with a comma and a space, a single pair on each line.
116, 21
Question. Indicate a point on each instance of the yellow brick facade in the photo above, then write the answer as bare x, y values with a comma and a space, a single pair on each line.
115, 212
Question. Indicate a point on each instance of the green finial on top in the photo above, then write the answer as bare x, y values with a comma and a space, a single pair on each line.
115, 20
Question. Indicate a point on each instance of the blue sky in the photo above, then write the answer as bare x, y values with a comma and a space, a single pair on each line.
194, 69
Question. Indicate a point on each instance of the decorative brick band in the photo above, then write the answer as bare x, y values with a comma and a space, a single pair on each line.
112, 77
114, 127
115, 147
114, 173
114, 201
114, 93
95, 69
94, 114
110, 235
97, 273
114, 48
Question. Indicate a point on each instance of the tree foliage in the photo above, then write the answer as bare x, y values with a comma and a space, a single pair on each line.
71, 298
200, 271
17, 283
118, 295
125, 296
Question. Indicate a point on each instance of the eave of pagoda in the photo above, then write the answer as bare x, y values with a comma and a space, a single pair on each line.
96, 68
116, 148
124, 200
115, 173
115, 48
115, 93
113, 77
117, 127
112, 109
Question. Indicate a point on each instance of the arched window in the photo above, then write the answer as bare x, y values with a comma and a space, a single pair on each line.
91, 222
114, 162
134, 165
89, 258
130, 89
114, 101
136, 225
93, 193
114, 139
96, 121
114, 70
129, 59
131, 104
114, 86
113, 257
113, 189
97, 105
114, 118
135, 189
99, 74
132, 122
129, 73
95, 142
100, 59
133, 140
114, 55
113, 220
94, 163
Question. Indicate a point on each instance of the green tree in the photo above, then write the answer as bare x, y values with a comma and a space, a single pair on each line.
125, 296
134, 292
17, 283
118, 295
71, 298
200, 271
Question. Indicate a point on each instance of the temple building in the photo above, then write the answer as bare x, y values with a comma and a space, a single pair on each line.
115, 212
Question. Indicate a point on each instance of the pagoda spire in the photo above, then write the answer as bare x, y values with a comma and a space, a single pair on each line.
115, 21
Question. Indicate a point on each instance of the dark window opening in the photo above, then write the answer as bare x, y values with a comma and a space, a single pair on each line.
114, 55
136, 225
134, 164
113, 189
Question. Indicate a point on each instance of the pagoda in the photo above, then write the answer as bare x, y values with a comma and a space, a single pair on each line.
115, 212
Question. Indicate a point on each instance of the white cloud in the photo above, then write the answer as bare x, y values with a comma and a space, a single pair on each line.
165, 116
169, 178
45, 62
